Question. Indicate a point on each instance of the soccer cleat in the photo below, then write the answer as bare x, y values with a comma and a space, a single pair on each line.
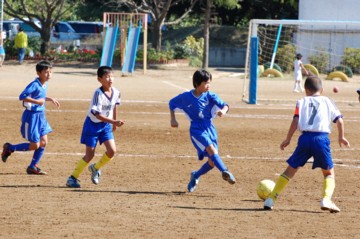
6, 152
227, 176
269, 204
327, 204
72, 182
35, 170
193, 182
95, 174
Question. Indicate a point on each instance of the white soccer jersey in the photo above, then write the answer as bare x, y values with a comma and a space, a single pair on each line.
103, 104
316, 114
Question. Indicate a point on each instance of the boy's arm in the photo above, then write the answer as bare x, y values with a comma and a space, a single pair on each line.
34, 101
54, 101
223, 111
114, 122
173, 121
341, 137
304, 69
292, 129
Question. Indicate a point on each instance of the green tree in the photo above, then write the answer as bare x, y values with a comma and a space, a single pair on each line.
47, 12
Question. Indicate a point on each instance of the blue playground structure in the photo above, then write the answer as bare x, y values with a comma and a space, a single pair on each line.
109, 46
127, 32
131, 49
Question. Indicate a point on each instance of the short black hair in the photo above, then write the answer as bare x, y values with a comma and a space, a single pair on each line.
21, 29
298, 56
43, 65
313, 84
201, 76
102, 70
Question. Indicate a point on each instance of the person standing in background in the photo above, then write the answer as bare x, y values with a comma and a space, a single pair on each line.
2, 53
21, 42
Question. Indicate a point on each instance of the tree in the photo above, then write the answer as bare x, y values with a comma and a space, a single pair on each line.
158, 10
47, 12
230, 4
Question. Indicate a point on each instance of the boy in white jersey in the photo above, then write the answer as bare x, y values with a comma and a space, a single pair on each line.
298, 68
313, 116
34, 125
201, 106
101, 121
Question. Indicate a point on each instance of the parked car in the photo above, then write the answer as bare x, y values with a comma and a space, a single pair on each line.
63, 31
87, 29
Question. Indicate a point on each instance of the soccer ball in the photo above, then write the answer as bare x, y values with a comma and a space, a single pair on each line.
264, 188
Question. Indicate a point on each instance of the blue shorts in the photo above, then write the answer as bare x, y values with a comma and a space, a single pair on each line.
94, 132
202, 136
34, 125
312, 144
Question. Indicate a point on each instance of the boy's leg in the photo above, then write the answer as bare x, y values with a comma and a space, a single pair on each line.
328, 190
105, 159
281, 183
33, 167
219, 164
8, 149
195, 176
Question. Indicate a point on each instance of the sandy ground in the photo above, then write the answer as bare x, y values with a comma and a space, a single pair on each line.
143, 193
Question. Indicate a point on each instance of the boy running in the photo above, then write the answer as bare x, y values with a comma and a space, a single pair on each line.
313, 116
99, 125
201, 106
34, 125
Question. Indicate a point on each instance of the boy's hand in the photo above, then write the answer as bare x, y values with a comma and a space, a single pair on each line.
285, 143
174, 123
119, 123
220, 113
345, 142
55, 102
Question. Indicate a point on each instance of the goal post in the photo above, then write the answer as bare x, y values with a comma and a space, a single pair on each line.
326, 45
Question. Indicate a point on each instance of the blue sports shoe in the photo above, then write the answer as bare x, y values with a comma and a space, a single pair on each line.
72, 182
193, 182
228, 176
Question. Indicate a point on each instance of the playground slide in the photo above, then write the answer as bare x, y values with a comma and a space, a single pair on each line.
109, 46
131, 48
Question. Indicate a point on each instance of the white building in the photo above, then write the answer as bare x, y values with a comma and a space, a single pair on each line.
331, 37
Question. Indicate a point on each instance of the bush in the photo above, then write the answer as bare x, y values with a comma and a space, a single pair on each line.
351, 58
285, 57
34, 44
320, 59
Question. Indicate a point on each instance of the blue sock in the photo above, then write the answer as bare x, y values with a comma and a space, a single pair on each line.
19, 147
204, 169
218, 162
37, 156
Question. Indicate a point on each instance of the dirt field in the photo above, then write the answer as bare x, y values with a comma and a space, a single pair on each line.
142, 193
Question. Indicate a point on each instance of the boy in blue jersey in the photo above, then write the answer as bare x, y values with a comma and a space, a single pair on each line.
201, 106
34, 125
100, 122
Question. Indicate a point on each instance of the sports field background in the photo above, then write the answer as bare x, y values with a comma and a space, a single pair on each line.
142, 193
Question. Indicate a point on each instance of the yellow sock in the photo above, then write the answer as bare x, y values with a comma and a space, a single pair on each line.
104, 160
329, 187
279, 186
80, 166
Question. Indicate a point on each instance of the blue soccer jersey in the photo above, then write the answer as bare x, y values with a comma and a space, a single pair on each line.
34, 123
200, 111
36, 91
